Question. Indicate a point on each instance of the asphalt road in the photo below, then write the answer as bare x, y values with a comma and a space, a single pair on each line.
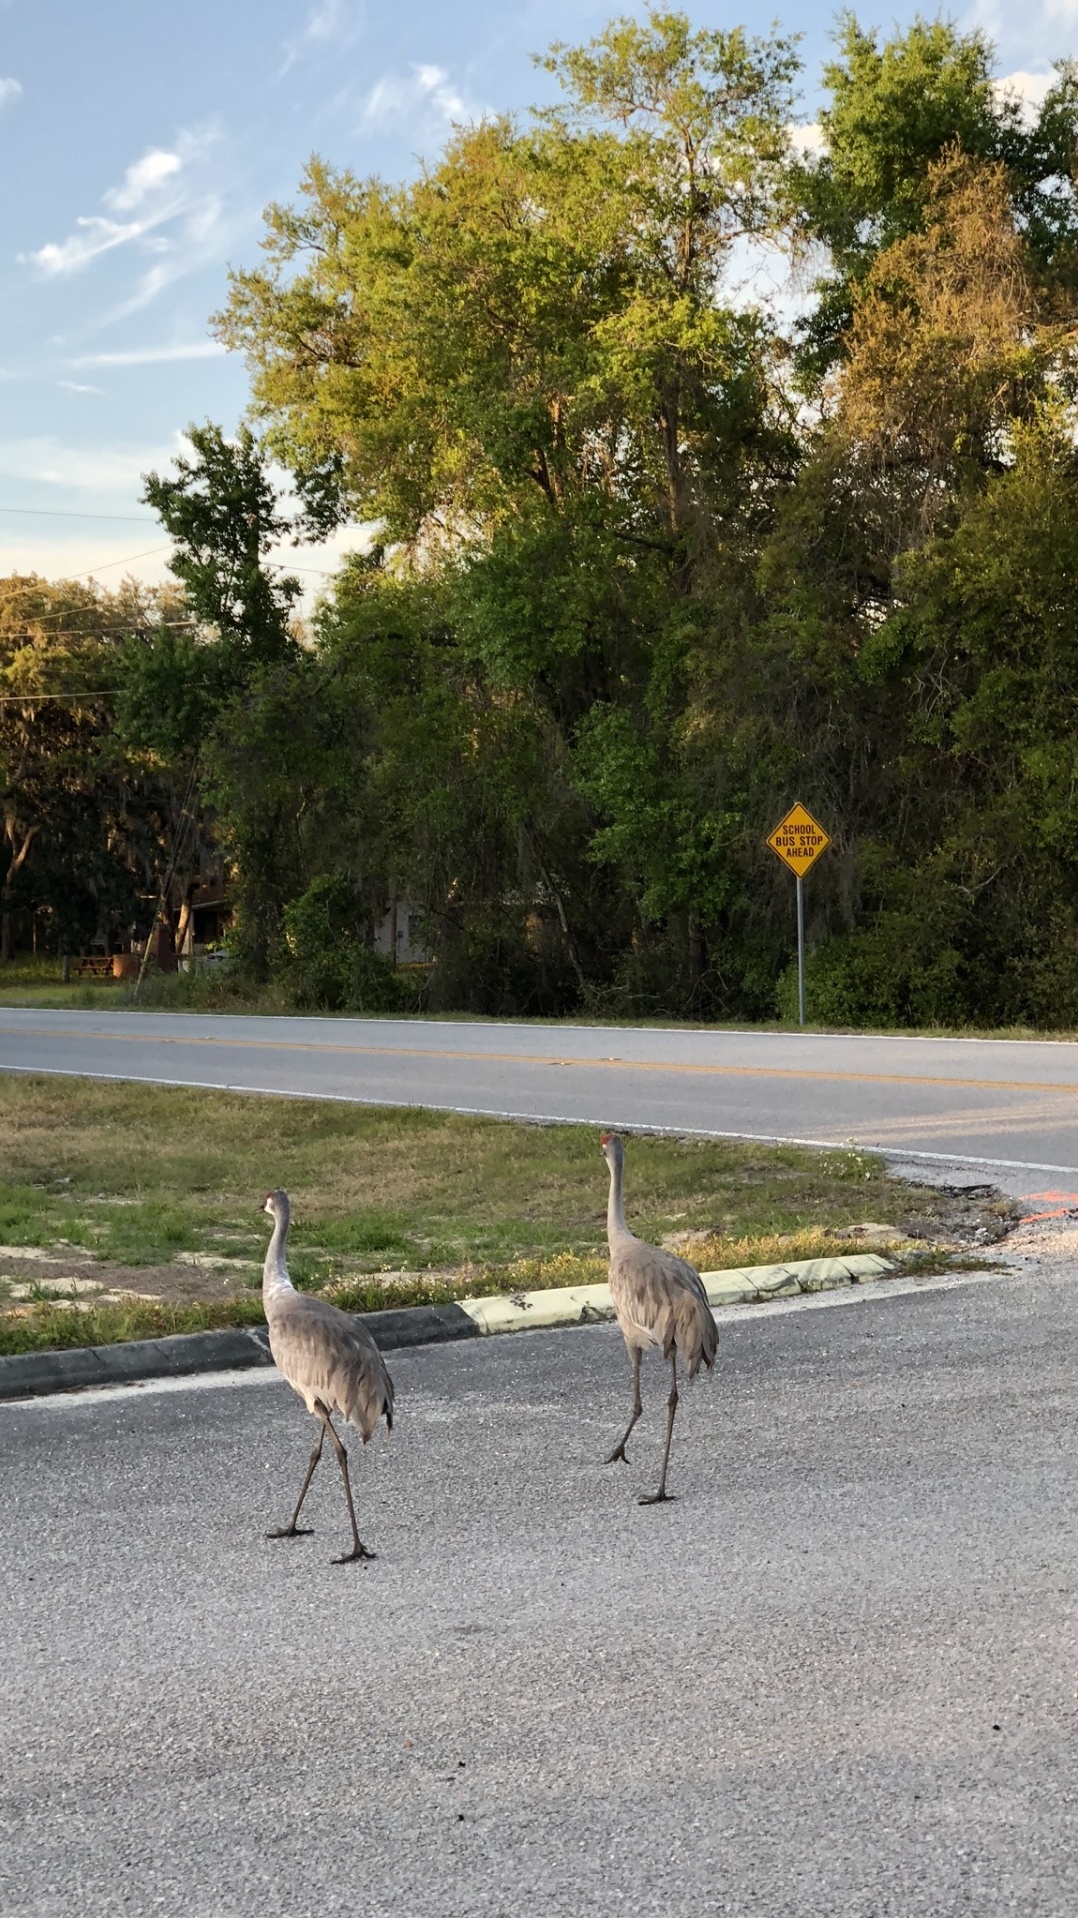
838, 1678
1012, 1105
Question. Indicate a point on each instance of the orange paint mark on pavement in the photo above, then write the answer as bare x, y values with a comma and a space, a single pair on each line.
1057, 1211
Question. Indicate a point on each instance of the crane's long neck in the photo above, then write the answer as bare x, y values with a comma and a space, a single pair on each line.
615, 1212
275, 1277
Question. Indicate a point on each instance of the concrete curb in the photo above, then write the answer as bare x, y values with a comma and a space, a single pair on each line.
29, 1374
34, 1374
749, 1284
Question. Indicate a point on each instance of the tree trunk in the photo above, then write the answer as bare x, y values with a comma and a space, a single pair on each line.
695, 954
15, 864
184, 925
563, 920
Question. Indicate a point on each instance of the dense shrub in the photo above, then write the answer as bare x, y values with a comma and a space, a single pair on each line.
326, 964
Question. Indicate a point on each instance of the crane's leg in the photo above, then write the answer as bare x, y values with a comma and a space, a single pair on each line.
659, 1497
619, 1449
359, 1550
302, 1531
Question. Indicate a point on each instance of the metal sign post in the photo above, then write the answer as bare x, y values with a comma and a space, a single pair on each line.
800, 950
798, 840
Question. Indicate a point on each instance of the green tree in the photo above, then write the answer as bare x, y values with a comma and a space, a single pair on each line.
529, 371
83, 831
224, 517
968, 872
214, 703
629, 599
895, 110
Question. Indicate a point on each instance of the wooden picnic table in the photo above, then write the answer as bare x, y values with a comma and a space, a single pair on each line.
94, 966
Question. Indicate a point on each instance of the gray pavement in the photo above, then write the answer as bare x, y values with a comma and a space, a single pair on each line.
838, 1677
1008, 1105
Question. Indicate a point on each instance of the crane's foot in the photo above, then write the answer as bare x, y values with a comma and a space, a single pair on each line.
656, 1498
293, 1531
619, 1452
348, 1558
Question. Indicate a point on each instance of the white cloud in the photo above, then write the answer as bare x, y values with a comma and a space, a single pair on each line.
78, 386
324, 21
202, 237
160, 190
142, 180
10, 91
1027, 88
154, 355
111, 474
1030, 36
807, 139
93, 237
329, 23
427, 93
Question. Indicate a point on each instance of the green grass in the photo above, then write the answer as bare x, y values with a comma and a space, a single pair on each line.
136, 1174
38, 985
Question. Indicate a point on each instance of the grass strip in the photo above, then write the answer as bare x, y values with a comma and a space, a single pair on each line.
150, 1175
37, 982
48, 1326
393, 1207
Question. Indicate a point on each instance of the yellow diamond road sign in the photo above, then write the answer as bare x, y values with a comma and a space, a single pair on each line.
799, 840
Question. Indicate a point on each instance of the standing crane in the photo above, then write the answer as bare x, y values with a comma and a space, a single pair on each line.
329, 1359
659, 1300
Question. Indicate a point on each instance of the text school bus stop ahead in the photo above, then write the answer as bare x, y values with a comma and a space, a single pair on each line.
798, 840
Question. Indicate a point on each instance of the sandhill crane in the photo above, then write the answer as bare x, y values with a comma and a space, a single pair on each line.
659, 1300
329, 1359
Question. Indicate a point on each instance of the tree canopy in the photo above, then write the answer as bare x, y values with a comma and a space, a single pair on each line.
644, 556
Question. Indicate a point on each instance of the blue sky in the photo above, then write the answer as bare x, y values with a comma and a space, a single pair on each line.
140, 144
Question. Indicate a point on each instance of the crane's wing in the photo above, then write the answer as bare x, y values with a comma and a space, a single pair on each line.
662, 1299
328, 1355
697, 1333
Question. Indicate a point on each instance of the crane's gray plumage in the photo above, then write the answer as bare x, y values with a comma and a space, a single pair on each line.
328, 1358
659, 1300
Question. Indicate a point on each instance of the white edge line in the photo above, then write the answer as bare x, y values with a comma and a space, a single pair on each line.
191, 1382
634, 1127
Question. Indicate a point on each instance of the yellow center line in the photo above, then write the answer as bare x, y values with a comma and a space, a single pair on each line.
535, 1059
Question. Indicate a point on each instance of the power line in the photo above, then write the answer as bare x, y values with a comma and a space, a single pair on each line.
38, 699
92, 571
132, 626
58, 512
133, 519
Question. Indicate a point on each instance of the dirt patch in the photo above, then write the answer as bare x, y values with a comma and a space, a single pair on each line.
947, 1219
958, 1216
57, 1275
189, 1280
